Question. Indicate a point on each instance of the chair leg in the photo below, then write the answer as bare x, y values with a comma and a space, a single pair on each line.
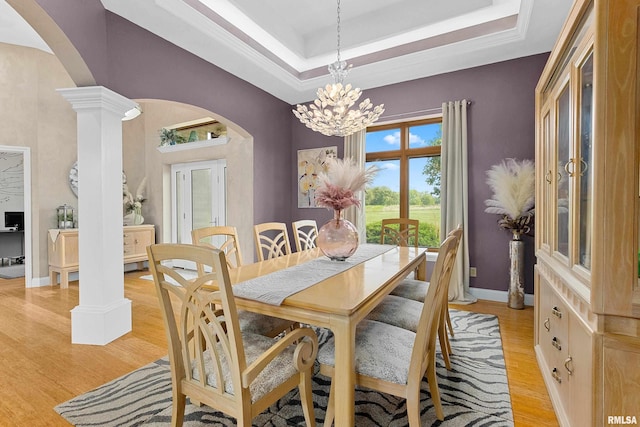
331, 406
449, 323
444, 345
433, 389
177, 411
306, 397
413, 412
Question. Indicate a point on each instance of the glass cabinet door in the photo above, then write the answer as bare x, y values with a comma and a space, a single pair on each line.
584, 170
563, 188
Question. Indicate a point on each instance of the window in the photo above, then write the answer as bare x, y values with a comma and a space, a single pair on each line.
408, 182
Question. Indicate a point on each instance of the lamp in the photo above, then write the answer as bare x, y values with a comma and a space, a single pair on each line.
330, 114
132, 113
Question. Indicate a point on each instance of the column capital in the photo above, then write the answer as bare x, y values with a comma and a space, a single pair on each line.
90, 98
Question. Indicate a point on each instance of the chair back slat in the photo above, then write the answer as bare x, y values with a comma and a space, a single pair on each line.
272, 240
305, 233
400, 232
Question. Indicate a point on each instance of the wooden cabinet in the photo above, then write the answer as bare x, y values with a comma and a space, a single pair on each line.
135, 240
63, 250
587, 214
565, 353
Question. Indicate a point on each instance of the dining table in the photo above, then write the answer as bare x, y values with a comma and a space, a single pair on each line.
337, 302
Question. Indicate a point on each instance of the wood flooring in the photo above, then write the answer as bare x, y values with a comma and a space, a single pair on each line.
40, 368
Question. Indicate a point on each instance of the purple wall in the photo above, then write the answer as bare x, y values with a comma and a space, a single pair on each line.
500, 125
138, 64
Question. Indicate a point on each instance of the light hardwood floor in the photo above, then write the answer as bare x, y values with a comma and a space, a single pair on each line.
39, 368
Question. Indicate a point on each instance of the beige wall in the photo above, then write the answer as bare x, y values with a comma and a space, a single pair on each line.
34, 115
238, 153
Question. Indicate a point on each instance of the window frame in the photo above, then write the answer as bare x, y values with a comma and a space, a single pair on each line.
404, 154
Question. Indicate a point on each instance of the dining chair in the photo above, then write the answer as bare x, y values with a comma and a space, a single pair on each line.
394, 360
400, 232
228, 243
405, 313
272, 240
212, 361
305, 233
221, 237
416, 290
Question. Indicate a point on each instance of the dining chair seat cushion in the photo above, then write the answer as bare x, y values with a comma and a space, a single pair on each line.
412, 289
261, 324
398, 311
255, 345
382, 351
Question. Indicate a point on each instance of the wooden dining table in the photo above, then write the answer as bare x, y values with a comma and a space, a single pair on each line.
337, 303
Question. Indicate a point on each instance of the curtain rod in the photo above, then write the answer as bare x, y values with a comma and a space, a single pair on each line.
413, 113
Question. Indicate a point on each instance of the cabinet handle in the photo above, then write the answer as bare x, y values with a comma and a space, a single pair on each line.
556, 312
547, 324
556, 375
556, 343
135, 241
584, 167
547, 177
566, 167
568, 365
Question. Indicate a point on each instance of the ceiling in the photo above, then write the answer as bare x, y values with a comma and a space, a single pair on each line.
284, 46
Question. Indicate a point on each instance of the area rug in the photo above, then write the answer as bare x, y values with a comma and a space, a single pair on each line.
474, 393
12, 271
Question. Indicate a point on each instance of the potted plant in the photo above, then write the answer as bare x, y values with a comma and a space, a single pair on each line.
170, 137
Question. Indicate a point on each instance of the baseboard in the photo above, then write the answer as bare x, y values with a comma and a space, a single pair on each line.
38, 282
500, 296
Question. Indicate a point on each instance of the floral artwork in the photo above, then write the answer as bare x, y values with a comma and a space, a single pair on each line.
311, 163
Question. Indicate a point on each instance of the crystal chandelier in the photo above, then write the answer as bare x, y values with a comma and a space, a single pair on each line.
331, 114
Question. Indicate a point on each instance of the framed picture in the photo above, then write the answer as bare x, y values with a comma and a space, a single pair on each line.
310, 163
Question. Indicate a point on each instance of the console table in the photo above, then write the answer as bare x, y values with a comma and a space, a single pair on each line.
63, 250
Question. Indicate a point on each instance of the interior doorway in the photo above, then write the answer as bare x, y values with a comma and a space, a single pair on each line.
15, 213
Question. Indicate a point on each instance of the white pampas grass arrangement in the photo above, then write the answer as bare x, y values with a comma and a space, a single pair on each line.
513, 185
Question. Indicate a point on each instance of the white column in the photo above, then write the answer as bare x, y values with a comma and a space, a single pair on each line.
103, 313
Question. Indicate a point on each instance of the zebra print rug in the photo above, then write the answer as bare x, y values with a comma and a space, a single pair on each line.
474, 392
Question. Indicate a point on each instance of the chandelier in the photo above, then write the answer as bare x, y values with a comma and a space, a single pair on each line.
331, 113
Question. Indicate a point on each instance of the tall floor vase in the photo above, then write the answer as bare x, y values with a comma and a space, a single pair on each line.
516, 273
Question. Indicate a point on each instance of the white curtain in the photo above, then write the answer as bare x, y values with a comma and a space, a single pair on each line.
354, 147
454, 191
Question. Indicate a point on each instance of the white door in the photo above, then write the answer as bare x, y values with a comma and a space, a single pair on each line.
198, 195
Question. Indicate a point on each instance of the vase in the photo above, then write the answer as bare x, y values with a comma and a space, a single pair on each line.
516, 273
338, 238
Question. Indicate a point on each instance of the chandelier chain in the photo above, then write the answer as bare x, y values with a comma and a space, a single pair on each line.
338, 30
331, 113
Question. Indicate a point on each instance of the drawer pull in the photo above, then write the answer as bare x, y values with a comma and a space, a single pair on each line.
135, 241
555, 343
547, 324
556, 375
568, 365
556, 312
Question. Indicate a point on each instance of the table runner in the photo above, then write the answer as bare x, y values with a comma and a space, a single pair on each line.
274, 287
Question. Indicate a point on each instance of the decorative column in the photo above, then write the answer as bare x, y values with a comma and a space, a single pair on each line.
103, 313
